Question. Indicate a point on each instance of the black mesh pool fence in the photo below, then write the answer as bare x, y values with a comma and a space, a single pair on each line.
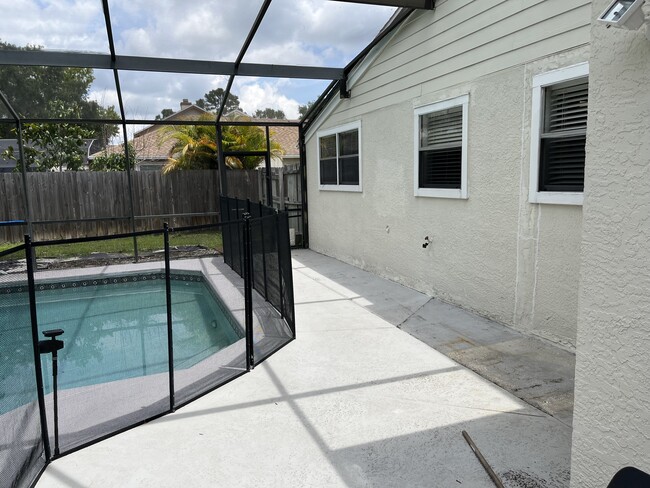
22, 440
271, 271
138, 340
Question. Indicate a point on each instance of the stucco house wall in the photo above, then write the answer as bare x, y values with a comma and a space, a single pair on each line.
611, 427
494, 252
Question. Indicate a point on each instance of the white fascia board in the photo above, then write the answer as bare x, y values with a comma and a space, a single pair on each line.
356, 74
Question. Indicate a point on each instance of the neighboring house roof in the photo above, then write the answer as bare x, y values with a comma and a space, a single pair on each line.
153, 143
287, 137
187, 112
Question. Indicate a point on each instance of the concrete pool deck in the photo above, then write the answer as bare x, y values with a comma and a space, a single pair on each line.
354, 401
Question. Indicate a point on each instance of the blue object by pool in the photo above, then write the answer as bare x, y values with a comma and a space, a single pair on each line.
114, 328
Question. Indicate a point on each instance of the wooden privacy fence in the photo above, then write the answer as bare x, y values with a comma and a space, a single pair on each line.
77, 195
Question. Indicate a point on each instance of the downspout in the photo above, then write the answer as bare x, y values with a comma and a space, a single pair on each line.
303, 187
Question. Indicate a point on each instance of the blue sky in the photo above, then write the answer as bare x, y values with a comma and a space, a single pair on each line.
300, 32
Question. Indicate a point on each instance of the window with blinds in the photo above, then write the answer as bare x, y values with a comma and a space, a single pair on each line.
441, 139
562, 145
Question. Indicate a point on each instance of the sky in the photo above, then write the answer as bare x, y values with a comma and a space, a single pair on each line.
294, 32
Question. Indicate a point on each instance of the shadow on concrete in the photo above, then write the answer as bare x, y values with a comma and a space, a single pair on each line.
535, 371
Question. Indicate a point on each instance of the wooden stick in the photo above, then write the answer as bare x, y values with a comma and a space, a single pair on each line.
493, 476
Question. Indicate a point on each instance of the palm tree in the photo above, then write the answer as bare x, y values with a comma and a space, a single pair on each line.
195, 146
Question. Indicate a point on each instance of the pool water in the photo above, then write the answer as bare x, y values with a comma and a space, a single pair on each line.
115, 328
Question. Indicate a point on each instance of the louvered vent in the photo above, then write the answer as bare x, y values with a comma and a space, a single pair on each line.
562, 151
441, 138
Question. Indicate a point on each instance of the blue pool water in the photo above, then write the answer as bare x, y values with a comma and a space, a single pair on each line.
114, 328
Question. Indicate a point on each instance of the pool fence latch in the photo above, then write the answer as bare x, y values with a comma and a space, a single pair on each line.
52, 346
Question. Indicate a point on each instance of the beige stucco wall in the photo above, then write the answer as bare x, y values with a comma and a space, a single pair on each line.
612, 392
493, 253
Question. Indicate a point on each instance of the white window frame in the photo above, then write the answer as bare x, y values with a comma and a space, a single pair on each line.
458, 193
336, 130
540, 82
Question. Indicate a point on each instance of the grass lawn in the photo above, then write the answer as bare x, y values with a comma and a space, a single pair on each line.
211, 240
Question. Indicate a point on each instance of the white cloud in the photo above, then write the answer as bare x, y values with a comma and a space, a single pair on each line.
335, 31
298, 32
261, 95
210, 29
76, 25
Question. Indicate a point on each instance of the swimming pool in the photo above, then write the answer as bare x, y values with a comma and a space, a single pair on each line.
115, 327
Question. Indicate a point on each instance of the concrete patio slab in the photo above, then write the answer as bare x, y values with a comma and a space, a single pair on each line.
354, 401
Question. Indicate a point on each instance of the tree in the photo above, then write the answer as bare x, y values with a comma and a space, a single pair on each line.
195, 146
212, 101
36, 91
303, 109
270, 113
247, 138
114, 161
49, 147
164, 113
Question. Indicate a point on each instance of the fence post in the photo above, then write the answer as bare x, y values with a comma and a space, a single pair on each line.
263, 239
248, 294
269, 174
277, 246
230, 261
29, 251
168, 299
281, 187
240, 243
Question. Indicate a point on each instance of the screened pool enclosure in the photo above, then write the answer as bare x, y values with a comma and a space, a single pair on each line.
126, 294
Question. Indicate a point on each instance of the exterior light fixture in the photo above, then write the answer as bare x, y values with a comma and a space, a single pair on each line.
625, 14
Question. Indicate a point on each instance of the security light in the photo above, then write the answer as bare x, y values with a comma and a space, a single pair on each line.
626, 14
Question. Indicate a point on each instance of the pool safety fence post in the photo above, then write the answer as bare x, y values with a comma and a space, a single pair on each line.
231, 234
52, 347
240, 244
168, 300
277, 246
248, 293
263, 239
29, 254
